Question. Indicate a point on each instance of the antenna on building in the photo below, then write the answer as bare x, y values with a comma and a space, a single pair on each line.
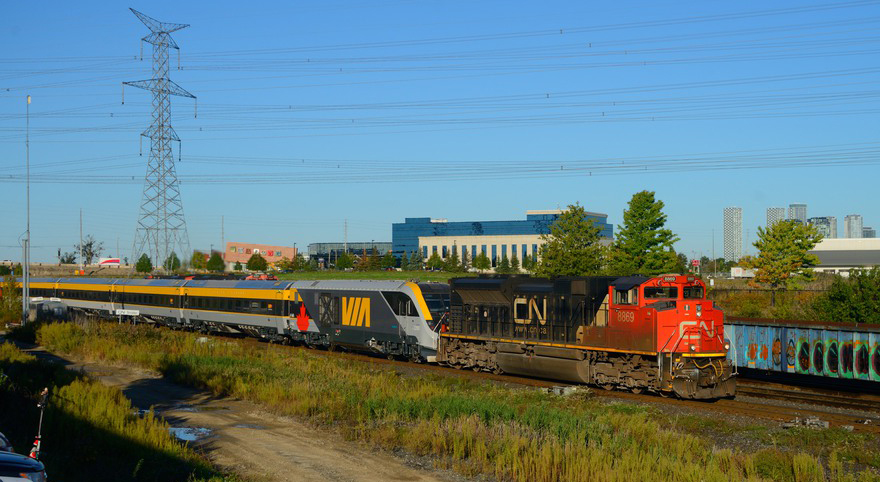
161, 225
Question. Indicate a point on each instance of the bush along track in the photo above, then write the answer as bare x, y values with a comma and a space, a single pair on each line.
90, 431
511, 434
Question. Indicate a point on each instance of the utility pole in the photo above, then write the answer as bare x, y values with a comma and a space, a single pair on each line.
345, 237
26, 255
222, 236
81, 261
714, 260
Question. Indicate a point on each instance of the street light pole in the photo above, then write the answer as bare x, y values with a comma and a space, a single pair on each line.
25, 282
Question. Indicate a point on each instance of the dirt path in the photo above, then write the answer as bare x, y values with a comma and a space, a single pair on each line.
254, 443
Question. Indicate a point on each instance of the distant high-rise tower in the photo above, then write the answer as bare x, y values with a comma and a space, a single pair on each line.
852, 226
798, 212
733, 233
774, 215
869, 232
826, 225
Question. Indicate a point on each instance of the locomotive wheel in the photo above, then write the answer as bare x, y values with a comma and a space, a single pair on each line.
476, 368
497, 370
637, 390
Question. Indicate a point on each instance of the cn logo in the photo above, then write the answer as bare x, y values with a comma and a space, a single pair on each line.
356, 312
695, 334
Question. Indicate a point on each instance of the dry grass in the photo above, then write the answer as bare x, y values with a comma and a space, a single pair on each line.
511, 434
90, 432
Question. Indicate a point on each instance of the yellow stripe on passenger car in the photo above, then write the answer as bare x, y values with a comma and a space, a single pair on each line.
233, 293
420, 299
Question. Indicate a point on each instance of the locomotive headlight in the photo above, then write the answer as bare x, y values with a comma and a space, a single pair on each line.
693, 348
727, 346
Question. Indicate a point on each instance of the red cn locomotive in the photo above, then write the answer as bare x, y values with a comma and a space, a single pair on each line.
636, 333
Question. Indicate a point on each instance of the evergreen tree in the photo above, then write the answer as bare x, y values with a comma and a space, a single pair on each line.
784, 257
528, 264
465, 262
388, 261
514, 264
404, 262
482, 262
144, 265
257, 263
643, 244
452, 263
503, 265
237, 266
572, 248
416, 261
216, 264
172, 262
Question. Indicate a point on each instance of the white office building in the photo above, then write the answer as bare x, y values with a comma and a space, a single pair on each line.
852, 226
733, 234
798, 212
774, 215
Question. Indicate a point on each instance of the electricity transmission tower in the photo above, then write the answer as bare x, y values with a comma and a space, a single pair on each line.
161, 226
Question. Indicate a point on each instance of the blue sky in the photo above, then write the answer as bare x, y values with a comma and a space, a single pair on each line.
311, 113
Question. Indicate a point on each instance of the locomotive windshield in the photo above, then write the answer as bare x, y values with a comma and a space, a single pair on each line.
661, 292
438, 304
693, 292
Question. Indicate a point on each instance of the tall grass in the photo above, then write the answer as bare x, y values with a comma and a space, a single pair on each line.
90, 431
474, 428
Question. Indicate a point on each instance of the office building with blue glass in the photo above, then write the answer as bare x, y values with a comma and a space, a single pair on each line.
498, 239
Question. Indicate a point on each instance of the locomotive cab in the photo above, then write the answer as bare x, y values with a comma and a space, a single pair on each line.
692, 353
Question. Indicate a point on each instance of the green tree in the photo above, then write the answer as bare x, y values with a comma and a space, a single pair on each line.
434, 262
344, 261
514, 264
681, 264
852, 300
257, 263
144, 265
91, 249
404, 262
284, 264
572, 248
453, 262
528, 264
784, 259
389, 261
216, 263
503, 265
67, 258
10, 304
172, 262
482, 262
416, 261
198, 260
643, 244
237, 266
465, 260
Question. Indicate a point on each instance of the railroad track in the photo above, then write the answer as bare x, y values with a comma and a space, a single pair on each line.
849, 401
